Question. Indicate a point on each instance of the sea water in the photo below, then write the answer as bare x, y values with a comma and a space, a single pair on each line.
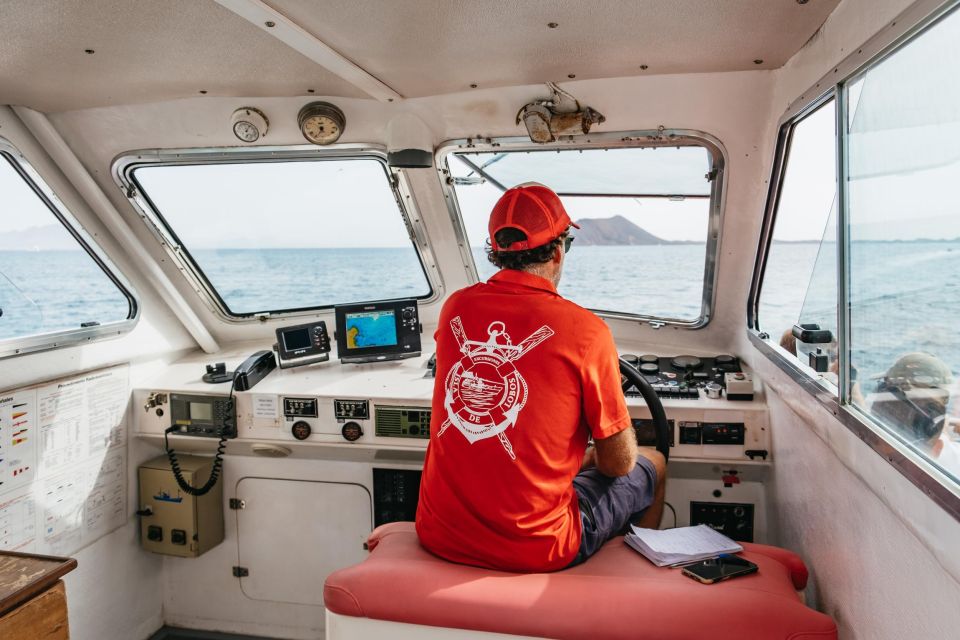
904, 294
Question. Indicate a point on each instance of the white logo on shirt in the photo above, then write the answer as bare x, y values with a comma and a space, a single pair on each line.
484, 392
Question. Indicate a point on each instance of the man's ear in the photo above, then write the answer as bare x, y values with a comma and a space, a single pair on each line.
557, 254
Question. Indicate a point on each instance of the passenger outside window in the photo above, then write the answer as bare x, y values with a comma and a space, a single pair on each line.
275, 236
48, 281
644, 215
903, 168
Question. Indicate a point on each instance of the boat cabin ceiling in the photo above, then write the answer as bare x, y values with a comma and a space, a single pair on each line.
753, 178
417, 50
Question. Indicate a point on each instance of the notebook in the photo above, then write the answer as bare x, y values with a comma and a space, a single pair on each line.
680, 545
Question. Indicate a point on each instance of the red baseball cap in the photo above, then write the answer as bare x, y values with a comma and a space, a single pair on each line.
532, 208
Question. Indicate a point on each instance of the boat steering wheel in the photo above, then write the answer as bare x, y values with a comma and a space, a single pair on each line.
660, 426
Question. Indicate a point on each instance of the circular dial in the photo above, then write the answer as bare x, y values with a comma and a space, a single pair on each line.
321, 122
301, 430
246, 131
351, 431
249, 124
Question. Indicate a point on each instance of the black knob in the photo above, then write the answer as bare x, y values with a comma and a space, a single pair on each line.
408, 313
351, 431
301, 430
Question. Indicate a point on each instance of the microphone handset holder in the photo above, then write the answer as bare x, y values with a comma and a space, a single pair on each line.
213, 416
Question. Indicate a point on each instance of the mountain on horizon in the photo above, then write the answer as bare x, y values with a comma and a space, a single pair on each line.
51, 237
613, 231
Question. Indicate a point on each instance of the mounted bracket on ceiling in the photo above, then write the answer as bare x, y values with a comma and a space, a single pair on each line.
559, 115
294, 36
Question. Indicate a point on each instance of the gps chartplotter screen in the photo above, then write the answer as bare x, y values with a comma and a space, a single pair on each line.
371, 329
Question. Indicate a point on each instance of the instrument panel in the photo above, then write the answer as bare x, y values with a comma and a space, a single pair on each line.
386, 406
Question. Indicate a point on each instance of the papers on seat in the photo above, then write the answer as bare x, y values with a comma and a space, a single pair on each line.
680, 545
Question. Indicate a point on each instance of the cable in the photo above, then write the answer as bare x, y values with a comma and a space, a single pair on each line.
217, 458
674, 511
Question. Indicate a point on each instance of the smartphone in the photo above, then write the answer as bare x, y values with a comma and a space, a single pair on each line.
723, 567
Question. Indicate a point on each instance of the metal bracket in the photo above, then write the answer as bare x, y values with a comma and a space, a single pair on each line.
236, 503
240, 572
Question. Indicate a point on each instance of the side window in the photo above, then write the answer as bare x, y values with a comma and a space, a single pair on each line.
800, 277
50, 281
903, 220
863, 257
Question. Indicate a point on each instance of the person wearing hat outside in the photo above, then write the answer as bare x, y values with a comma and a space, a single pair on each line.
524, 378
914, 396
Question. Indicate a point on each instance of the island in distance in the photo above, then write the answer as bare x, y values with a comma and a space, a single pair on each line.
614, 231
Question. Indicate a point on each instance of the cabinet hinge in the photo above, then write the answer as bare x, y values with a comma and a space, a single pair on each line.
236, 503
240, 572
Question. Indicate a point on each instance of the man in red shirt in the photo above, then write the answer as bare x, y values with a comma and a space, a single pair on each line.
524, 379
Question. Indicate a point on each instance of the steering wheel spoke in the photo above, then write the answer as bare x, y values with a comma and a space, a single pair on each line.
630, 377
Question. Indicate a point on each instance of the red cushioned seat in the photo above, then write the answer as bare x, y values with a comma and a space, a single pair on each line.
615, 594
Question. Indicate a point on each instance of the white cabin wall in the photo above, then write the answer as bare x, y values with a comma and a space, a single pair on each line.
885, 559
734, 107
116, 589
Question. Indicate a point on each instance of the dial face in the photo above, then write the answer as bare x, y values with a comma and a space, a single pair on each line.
321, 129
246, 131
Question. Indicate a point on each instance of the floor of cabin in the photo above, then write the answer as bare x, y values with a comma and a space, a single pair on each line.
171, 633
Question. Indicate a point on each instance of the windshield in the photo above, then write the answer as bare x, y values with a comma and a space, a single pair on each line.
644, 214
297, 234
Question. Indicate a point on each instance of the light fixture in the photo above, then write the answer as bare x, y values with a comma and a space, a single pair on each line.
559, 115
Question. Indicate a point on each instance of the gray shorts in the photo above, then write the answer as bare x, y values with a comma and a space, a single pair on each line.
608, 505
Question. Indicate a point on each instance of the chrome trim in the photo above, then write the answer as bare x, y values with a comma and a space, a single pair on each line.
612, 140
942, 489
21, 345
127, 163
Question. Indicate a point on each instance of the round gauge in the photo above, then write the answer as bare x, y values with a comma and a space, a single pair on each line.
249, 124
301, 430
351, 431
321, 122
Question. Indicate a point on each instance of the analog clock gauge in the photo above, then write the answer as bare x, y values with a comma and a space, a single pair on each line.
321, 122
249, 124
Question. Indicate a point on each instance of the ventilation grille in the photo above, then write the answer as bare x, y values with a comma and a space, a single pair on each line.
402, 422
388, 422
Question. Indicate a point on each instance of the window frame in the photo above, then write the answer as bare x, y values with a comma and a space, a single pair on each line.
927, 477
126, 164
647, 138
21, 345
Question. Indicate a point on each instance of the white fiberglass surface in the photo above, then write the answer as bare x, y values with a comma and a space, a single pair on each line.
635, 253
272, 236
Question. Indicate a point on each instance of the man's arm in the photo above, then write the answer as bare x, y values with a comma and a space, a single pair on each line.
617, 455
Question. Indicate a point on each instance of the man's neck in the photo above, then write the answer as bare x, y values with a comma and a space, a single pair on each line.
547, 271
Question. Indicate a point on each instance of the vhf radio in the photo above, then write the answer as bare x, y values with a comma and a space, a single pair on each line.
201, 415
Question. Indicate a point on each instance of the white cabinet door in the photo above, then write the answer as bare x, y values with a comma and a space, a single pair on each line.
291, 534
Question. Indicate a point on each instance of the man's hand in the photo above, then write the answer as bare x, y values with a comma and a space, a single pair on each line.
617, 455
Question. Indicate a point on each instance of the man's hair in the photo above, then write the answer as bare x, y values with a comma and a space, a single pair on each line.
519, 260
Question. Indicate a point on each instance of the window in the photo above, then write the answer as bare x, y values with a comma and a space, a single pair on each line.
267, 236
50, 280
903, 215
800, 281
875, 262
648, 217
